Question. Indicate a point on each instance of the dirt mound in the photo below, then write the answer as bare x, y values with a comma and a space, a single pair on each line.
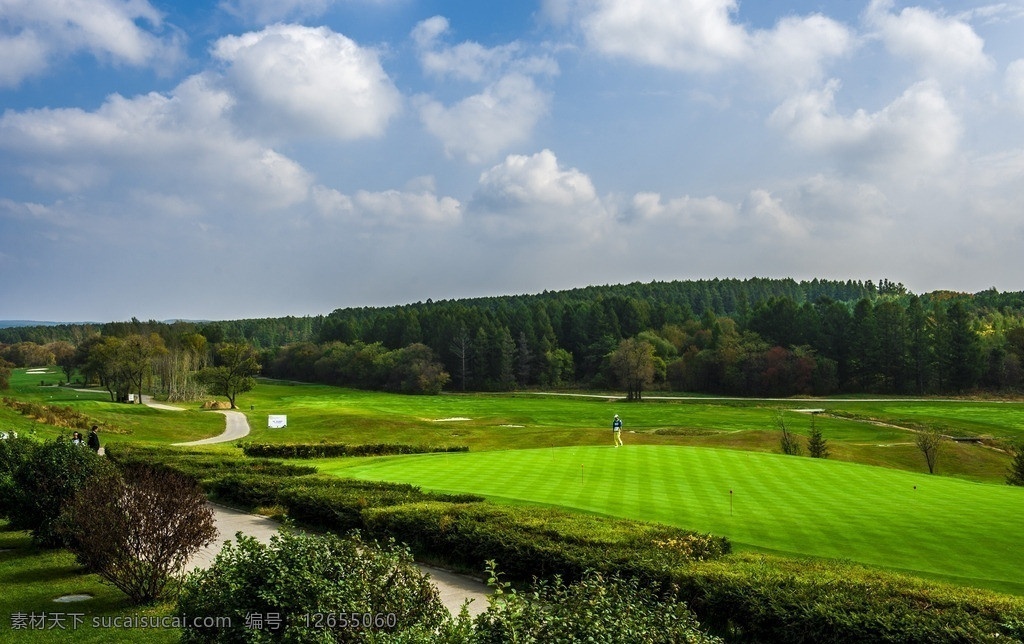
216, 404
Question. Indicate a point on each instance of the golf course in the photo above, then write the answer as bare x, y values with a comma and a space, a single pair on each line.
696, 463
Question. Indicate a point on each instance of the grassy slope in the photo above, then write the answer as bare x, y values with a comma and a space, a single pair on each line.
955, 529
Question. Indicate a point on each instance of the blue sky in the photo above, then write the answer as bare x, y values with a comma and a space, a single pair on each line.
288, 157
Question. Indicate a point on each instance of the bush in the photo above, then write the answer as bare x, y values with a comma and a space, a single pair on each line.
763, 598
312, 588
595, 609
138, 529
14, 452
331, 450
543, 542
53, 475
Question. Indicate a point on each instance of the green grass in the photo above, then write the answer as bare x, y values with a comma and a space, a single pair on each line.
31, 578
681, 459
960, 531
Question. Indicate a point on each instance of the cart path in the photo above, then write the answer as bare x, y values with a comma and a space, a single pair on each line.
453, 589
236, 424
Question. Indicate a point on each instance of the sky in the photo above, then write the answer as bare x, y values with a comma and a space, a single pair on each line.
176, 159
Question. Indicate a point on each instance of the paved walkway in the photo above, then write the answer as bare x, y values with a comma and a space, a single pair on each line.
454, 589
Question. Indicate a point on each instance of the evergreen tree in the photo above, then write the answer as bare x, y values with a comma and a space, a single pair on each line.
817, 446
1016, 473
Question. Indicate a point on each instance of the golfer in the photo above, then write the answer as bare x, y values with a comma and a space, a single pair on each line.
617, 430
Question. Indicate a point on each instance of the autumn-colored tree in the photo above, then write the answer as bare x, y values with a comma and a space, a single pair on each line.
633, 365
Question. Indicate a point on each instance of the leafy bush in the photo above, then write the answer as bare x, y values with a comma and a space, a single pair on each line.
312, 588
139, 528
43, 483
542, 542
14, 452
330, 450
595, 609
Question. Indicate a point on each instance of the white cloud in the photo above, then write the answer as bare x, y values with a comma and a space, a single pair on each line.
692, 35
470, 60
793, 54
480, 126
1014, 83
708, 214
160, 144
941, 46
701, 36
33, 32
393, 208
312, 82
506, 109
917, 133
533, 197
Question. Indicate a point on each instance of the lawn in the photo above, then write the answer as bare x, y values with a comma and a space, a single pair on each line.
31, 578
964, 532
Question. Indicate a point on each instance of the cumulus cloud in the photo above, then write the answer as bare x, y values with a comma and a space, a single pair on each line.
34, 32
503, 113
709, 214
482, 125
161, 144
793, 54
533, 197
307, 81
941, 46
694, 35
916, 133
386, 208
1014, 83
702, 36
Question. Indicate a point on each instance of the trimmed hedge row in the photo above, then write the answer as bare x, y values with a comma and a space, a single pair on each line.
751, 597
204, 466
542, 542
323, 501
330, 450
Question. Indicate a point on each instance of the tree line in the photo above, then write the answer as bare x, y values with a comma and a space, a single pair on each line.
756, 337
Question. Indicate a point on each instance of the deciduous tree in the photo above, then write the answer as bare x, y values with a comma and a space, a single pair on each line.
237, 363
633, 365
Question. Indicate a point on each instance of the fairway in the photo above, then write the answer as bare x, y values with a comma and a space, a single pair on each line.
962, 531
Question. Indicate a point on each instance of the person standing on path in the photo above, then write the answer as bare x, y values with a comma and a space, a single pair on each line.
617, 430
94, 439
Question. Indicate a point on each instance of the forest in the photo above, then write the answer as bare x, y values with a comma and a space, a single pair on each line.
752, 337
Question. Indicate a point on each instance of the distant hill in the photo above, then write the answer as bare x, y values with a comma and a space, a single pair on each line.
8, 324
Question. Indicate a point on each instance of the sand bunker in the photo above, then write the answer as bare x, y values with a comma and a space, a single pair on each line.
67, 599
449, 420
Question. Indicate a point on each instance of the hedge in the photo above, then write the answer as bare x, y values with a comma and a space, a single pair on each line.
331, 450
543, 542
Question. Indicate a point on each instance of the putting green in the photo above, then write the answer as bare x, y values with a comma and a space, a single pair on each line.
968, 532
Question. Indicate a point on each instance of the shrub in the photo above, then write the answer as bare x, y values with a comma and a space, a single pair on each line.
51, 476
138, 529
595, 609
306, 588
14, 452
330, 450
763, 598
543, 542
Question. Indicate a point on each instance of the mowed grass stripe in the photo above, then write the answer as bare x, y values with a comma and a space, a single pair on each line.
901, 520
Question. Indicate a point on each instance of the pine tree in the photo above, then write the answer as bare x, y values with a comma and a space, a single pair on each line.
817, 446
1016, 473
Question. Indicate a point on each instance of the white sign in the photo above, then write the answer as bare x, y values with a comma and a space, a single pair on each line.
275, 421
